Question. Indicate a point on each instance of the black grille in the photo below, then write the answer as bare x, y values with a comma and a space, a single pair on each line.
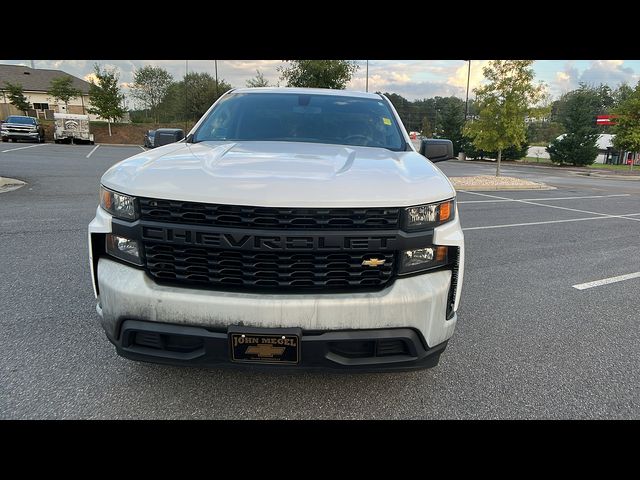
220, 268
390, 347
192, 213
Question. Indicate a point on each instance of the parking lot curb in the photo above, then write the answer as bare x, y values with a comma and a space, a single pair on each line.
615, 177
574, 170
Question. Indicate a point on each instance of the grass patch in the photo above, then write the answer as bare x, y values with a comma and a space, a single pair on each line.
602, 166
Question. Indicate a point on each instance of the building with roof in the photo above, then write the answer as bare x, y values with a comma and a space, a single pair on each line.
36, 83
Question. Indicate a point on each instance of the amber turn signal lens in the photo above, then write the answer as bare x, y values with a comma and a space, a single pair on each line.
445, 211
106, 199
441, 254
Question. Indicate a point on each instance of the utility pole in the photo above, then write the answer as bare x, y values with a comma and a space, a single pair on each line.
466, 107
216, 66
367, 84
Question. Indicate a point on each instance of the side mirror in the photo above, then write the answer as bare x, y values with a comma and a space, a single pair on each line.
437, 149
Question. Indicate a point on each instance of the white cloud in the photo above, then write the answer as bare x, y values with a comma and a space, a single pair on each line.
611, 72
400, 77
459, 76
91, 77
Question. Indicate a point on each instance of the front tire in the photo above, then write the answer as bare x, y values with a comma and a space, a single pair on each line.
5, 139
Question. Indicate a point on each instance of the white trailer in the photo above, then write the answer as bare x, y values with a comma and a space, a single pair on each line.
71, 128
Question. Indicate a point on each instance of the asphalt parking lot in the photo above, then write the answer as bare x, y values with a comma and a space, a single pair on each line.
528, 343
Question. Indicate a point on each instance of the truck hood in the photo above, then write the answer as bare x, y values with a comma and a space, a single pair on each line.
281, 174
19, 126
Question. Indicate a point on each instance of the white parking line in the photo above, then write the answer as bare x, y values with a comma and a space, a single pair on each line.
22, 148
143, 149
91, 152
554, 206
543, 199
607, 281
487, 227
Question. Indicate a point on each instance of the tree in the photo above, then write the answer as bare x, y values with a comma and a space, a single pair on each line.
504, 102
318, 73
452, 121
623, 92
544, 132
426, 130
16, 97
258, 80
200, 94
577, 116
628, 128
62, 89
105, 95
406, 111
601, 98
150, 87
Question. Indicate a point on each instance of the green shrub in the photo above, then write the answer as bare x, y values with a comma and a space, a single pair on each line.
574, 149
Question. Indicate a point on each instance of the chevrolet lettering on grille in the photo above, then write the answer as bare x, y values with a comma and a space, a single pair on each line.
181, 236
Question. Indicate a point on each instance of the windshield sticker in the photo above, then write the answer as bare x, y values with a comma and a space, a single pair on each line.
387, 121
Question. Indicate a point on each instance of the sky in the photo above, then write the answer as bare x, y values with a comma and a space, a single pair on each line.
413, 79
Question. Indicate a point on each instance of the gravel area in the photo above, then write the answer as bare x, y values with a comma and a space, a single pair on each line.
491, 182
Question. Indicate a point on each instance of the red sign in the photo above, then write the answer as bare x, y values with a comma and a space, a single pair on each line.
605, 119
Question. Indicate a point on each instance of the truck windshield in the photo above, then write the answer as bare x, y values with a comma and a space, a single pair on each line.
294, 117
22, 120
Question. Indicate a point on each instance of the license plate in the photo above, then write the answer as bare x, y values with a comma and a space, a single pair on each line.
264, 348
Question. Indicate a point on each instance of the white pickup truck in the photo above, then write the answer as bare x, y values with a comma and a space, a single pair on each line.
291, 228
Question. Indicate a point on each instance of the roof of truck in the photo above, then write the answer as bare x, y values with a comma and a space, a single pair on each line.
308, 91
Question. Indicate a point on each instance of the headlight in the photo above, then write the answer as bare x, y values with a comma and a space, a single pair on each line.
425, 217
118, 205
124, 249
425, 258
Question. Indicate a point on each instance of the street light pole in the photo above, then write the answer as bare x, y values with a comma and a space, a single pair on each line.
216, 66
466, 107
367, 84
186, 104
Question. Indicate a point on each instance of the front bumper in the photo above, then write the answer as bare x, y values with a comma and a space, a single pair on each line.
20, 135
362, 350
418, 302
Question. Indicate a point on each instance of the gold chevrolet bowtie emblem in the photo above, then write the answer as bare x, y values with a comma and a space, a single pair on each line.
373, 262
265, 350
